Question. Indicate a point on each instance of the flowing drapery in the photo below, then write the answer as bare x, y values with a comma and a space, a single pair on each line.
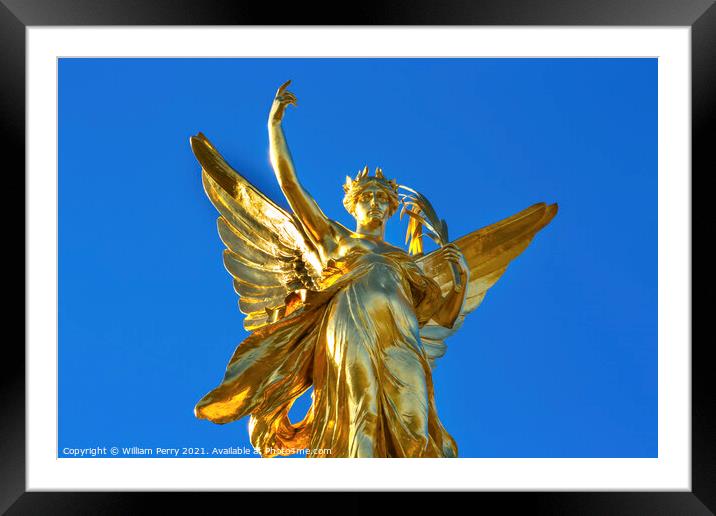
357, 342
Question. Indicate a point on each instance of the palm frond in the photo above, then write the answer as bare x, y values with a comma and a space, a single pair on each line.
421, 214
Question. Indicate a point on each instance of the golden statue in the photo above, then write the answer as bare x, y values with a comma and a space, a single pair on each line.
360, 320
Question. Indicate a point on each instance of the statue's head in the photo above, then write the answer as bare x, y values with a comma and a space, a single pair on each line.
371, 199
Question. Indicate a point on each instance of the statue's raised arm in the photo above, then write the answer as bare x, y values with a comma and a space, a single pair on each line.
317, 225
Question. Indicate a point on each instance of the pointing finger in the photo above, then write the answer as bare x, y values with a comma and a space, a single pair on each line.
283, 87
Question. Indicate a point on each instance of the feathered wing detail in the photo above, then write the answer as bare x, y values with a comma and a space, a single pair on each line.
488, 252
267, 253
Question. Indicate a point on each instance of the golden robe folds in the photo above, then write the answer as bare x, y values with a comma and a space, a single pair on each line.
357, 342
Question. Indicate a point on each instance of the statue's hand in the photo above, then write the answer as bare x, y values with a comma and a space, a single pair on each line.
452, 253
282, 99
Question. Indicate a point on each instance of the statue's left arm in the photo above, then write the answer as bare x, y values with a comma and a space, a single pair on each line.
488, 252
452, 302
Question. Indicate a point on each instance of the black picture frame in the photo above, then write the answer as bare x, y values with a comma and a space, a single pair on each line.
17, 15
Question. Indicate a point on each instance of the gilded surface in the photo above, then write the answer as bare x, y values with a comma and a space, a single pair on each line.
360, 320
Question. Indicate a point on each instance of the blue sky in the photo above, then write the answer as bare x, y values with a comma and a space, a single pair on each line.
560, 360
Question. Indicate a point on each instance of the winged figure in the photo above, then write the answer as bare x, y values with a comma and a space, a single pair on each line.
343, 311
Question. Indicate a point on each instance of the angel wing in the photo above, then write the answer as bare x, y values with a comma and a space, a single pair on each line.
270, 258
488, 252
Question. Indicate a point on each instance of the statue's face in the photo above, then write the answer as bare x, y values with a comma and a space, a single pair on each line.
372, 206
